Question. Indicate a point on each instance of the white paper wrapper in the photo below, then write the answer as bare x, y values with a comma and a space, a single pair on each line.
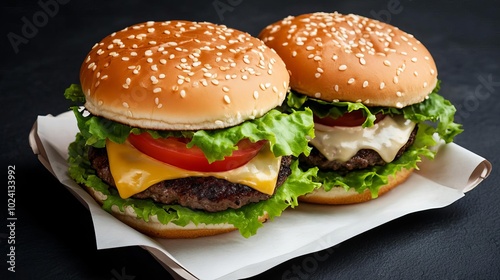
302, 230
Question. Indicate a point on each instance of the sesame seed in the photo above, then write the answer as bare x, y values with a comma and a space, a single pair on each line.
225, 89
399, 94
148, 53
350, 81
219, 122
365, 84
414, 59
415, 74
336, 87
425, 84
156, 90
362, 61
395, 79
256, 94
227, 99
387, 63
382, 85
317, 94
342, 67
125, 104
182, 93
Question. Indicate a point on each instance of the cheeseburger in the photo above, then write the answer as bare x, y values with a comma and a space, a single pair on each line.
373, 89
179, 135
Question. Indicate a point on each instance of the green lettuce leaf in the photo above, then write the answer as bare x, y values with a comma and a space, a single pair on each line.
435, 117
435, 110
374, 177
287, 133
246, 219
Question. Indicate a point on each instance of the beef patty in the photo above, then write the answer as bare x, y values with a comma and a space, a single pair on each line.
205, 193
362, 159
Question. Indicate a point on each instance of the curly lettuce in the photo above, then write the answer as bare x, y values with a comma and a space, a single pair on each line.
435, 118
287, 134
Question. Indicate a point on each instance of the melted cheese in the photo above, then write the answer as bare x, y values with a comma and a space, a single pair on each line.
385, 137
133, 171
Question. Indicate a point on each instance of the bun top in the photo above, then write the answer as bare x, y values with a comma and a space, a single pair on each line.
332, 56
182, 75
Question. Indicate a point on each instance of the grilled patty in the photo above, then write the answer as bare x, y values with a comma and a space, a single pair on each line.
362, 159
205, 193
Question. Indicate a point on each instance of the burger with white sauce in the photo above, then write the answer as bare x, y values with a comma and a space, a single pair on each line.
373, 89
179, 135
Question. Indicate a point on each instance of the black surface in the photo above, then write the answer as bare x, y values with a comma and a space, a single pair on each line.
461, 241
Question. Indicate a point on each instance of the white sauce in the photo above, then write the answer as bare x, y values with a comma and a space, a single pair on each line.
341, 143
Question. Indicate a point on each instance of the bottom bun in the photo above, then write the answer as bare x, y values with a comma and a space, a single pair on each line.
339, 195
155, 228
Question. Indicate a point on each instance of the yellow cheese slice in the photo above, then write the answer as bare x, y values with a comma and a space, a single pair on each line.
133, 171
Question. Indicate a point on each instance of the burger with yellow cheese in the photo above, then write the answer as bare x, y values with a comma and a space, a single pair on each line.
179, 135
373, 89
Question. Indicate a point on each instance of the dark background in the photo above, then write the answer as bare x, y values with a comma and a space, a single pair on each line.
461, 241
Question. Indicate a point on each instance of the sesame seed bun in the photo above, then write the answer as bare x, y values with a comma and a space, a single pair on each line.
332, 56
182, 75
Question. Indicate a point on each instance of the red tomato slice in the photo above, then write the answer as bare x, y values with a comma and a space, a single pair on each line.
354, 118
174, 152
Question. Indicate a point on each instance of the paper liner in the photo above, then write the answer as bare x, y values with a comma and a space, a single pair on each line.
305, 229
